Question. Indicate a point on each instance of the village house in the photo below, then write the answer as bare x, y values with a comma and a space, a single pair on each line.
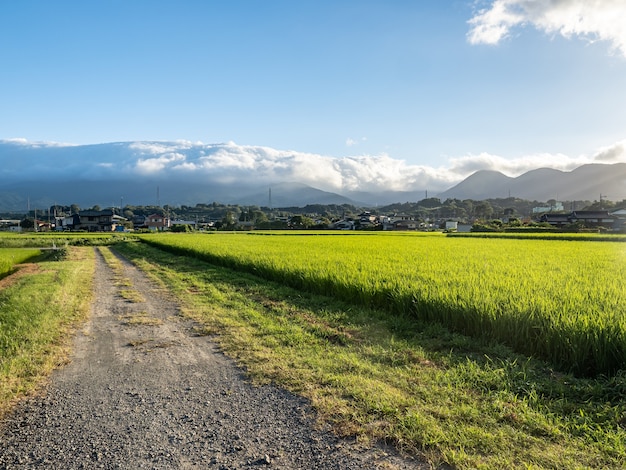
343, 225
366, 219
91, 221
405, 225
588, 218
157, 222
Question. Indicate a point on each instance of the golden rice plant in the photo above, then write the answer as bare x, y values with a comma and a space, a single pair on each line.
562, 300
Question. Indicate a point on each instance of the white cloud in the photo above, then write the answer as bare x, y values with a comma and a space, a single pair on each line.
255, 165
465, 165
589, 19
612, 154
160, 163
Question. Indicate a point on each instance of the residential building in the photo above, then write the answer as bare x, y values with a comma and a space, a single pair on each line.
157, 222
588, 218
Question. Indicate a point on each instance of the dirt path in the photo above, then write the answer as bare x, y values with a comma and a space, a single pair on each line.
142, 391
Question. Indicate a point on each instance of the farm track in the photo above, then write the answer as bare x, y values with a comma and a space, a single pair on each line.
144, 391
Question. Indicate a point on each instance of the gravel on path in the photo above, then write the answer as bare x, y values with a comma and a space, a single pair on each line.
144, 392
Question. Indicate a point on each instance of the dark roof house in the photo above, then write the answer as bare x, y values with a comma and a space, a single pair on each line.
589, 218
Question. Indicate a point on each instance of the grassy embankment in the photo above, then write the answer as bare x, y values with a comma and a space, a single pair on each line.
413, 383
37, 313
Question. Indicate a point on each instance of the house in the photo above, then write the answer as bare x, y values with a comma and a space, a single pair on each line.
91, 221
343, 225
619, 213
366, 219
157, 222
139, 221
593, 218
12, 225
620, 219
588, 218
556, 220
557, 206
405, 225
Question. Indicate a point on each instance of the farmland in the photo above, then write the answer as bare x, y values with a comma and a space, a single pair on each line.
10, 257
460, 401
559, 300
410, 342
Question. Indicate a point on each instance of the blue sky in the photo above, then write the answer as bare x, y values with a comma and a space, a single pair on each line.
458, 84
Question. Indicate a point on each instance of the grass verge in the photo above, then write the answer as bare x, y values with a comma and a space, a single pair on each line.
37, 313
452, 399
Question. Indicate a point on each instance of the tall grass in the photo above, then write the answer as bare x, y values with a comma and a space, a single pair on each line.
559, 300
36, 313
59, 239
11, 257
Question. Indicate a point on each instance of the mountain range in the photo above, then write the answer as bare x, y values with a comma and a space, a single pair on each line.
147, 173
585, 183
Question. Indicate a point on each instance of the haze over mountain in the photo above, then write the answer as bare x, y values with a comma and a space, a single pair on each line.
175, 173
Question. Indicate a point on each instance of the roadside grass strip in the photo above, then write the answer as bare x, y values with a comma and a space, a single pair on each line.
38, 313
455, 400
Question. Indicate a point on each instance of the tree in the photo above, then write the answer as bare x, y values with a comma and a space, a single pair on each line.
182, 228
301, 221
468, 205
27, 224
259, 217
483, 209
228, 221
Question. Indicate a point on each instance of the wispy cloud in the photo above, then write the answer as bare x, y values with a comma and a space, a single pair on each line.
588, 19
350, 142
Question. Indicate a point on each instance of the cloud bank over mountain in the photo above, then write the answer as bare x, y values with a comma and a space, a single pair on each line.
228, 163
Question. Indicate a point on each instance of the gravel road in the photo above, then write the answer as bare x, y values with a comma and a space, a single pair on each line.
142, 391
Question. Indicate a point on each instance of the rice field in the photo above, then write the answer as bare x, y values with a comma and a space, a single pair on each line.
58, 239
9, 257
560, 300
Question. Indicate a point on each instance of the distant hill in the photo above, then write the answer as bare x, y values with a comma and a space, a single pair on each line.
289, 194
586, 182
